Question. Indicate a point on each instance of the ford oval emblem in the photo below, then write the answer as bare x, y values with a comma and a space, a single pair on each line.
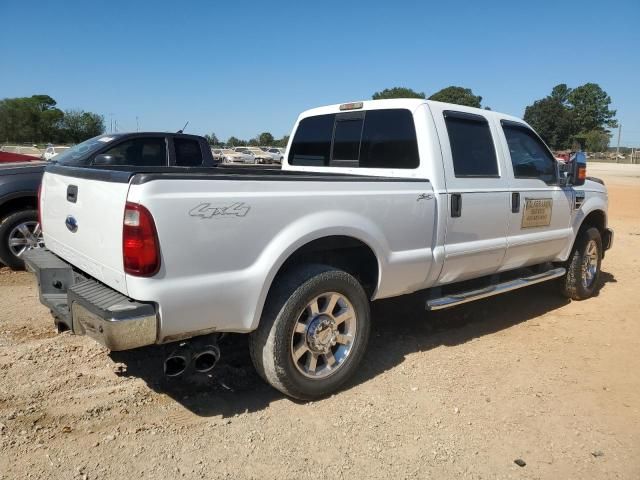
71, 223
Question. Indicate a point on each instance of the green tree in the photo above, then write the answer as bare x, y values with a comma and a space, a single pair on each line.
594, 140
78, 125
457, 95
590, 107
265, 138
560, 93
573, 117
553, 122
282, 142
236, 142
212, 139
397, 92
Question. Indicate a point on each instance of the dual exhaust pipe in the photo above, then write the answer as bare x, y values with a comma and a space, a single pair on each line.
202, 359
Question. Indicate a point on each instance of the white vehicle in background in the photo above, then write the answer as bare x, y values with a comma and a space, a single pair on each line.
258, 155
236, 156
22, 150
277, 154
375, 199
52, 151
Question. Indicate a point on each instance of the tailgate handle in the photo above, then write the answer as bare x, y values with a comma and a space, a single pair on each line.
72, 193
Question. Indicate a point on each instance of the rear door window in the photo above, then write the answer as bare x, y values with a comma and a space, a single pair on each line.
188, 153
139, 152
472, 148
368, 139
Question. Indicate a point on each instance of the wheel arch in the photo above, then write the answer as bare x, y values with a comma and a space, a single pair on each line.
348, 248
17, 201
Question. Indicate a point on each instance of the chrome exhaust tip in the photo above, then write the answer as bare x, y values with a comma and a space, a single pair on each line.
177, 361
206, 359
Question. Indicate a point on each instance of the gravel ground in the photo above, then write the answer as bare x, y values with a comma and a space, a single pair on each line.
465, 393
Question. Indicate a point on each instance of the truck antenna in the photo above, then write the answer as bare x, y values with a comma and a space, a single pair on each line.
183, 128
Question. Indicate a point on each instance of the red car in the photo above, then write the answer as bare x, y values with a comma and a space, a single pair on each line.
8, 157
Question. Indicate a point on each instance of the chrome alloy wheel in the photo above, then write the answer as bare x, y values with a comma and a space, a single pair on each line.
323, 335
25, 236
590, 264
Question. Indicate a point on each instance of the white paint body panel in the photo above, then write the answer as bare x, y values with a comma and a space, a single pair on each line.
216, 272
96, 246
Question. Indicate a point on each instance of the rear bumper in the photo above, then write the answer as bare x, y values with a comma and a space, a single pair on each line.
90, 308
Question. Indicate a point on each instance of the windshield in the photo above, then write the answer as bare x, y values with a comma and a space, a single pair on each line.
79, 154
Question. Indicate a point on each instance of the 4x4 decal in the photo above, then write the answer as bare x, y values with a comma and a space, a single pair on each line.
206, 210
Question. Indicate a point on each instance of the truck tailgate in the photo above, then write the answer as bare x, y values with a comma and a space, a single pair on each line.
82, 223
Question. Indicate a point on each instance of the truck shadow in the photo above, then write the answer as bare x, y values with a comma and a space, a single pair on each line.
400, 327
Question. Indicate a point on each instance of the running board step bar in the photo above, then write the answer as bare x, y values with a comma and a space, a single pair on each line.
470, 296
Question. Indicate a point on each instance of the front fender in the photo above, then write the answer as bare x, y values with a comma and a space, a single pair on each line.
594, 201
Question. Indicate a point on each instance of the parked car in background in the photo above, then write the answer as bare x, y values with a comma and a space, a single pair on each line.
277, 154
19, 224
51, 151
258, 154
232, 156
7, 157
22, 150
217, 154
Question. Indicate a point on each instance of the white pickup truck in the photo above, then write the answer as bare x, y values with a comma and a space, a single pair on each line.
375, 199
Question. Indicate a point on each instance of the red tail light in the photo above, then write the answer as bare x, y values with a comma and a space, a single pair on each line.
39, 206
140, 249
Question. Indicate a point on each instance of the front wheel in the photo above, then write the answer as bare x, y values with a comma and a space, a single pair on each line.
313, 332
19, 232
583, 267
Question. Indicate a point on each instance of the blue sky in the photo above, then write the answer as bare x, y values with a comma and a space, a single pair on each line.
240, 68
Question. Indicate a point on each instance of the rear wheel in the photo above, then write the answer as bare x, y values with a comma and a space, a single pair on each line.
583, 267
313, 332
19, 232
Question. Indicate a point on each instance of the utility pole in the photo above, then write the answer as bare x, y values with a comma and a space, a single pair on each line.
111, 118
137, 124
618, 147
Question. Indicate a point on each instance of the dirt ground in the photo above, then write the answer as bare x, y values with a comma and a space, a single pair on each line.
458, 394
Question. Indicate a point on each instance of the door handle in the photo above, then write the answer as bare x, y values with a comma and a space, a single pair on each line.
456, 205
515, 202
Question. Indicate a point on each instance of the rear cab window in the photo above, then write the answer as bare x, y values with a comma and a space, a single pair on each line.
137, 152
188, 152
383, 139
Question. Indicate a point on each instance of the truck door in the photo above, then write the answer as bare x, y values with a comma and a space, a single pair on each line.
476, 192
540, 214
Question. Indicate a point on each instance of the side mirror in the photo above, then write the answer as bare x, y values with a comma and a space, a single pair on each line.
577, 169
104, 159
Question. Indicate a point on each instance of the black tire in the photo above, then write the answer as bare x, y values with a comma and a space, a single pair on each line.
7, 256
576, 284
271, 344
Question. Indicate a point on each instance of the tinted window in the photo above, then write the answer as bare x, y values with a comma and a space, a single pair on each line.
188, 152
389, 140
346, 140
370, 139
143, 152
529, 156
312, 142
471, 145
